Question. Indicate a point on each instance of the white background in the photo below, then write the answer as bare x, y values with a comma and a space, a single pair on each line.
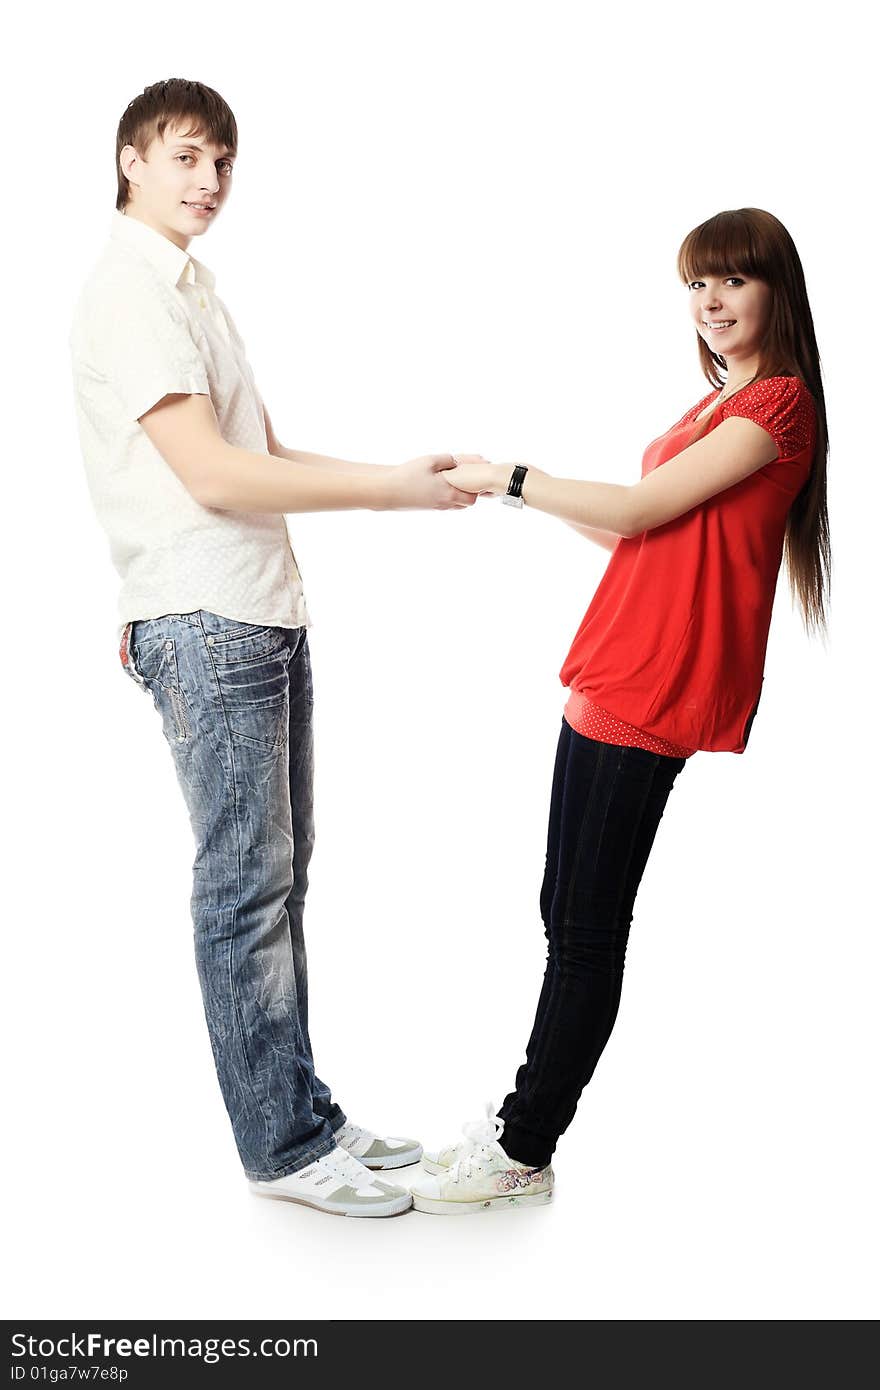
453, 227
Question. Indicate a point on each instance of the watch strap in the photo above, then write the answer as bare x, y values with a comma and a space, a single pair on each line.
513, 496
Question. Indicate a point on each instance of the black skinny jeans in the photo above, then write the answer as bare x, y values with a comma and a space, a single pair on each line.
606, 805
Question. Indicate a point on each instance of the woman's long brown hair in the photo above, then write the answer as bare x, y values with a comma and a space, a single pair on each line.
751, 242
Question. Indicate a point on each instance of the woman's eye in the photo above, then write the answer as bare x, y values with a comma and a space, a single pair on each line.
729, 279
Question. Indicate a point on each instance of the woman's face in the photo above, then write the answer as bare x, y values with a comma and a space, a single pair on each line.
731, 313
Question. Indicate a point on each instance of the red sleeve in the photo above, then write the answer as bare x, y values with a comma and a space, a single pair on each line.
782, 406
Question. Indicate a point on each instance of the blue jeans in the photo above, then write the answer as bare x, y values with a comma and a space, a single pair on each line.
605, 810
236, 706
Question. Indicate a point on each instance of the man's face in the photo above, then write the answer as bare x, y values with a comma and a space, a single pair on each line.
181, 175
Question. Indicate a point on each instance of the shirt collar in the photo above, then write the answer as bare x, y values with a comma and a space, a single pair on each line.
173, 264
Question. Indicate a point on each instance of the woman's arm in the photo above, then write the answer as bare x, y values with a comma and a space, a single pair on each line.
606, 539
733, 450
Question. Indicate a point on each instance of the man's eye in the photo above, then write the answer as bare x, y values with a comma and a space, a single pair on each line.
226, 162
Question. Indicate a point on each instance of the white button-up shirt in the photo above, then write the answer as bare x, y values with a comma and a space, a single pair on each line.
148, 323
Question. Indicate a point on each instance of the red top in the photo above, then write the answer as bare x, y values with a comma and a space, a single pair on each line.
675, 638
590, 719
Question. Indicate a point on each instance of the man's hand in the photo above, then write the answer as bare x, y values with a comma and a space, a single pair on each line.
422, 483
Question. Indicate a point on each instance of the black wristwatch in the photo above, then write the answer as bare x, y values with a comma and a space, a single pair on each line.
513, 496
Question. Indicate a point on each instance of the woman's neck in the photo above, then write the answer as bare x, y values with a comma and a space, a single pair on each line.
740, 370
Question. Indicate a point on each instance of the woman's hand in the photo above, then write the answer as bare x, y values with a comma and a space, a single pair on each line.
477, 476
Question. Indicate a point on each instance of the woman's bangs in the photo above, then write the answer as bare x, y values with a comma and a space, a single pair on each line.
722, 246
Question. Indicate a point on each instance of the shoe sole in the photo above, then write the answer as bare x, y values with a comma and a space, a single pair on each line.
440, 1208
403, 1160
396, 1206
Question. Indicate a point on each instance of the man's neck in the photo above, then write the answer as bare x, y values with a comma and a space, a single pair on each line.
168, 233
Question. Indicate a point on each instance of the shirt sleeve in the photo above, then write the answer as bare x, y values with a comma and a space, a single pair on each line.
143, 346
783, 407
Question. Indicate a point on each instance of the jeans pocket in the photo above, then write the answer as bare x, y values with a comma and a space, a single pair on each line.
154, 656
251, 667
126, 657
245, 643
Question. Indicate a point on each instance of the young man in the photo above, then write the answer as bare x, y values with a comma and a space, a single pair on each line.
190, 484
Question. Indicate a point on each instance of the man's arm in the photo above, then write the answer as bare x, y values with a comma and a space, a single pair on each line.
324, 461
184, 429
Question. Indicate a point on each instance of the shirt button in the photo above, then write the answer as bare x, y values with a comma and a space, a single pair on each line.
169, 646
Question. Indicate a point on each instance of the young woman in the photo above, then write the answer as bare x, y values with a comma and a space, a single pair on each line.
669, 659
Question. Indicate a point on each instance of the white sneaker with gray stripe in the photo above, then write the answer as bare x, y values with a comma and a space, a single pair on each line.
339, 1184
374, 1152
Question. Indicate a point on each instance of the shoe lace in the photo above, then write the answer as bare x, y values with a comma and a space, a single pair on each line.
480, 1140
486, 1130
353, 1133
348, 1167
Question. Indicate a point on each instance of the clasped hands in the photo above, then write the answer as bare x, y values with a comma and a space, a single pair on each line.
446, 481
